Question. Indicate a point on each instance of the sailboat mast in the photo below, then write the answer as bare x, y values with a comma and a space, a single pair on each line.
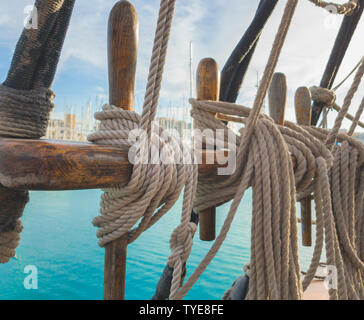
191, 69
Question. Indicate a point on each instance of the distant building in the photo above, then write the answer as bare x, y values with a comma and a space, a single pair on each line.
55, 129
70, 126
181, 126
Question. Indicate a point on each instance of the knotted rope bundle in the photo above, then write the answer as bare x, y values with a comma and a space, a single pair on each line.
347, 190
263, 161
160, 172
275, 272
162, 165
23, 114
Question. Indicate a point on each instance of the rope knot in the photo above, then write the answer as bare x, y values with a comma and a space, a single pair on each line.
323, 95
181, 243
159, 174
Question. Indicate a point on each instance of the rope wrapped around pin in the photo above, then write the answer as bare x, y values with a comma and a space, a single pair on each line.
268, 169
163, 166
300, 143
23, 114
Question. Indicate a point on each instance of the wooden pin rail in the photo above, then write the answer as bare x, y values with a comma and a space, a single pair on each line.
46, 165
122, 59
277, 96
208, 88
303, 115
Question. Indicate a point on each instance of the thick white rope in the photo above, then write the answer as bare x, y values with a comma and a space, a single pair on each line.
263, 162
163, 166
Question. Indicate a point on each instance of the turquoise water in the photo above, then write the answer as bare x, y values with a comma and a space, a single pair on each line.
59, 239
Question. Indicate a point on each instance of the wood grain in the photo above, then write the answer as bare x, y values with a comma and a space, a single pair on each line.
46, 165
122, 55
60, 165
303, 106
277, 97
303, 115
208, 88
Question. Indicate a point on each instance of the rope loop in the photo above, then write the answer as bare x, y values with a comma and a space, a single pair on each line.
159, 175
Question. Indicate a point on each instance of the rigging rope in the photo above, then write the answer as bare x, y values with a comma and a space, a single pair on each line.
158, 177
346, 9
263, 161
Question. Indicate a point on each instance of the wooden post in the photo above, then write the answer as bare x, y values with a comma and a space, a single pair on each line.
303, 115
208, 88
122, 56
277, 97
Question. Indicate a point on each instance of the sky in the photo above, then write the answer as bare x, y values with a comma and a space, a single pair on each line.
214, 28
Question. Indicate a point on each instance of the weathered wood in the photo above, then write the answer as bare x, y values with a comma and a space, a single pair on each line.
338, 52
306, 222
208, 88
122, 55
45, 165
303, 115
60, 165
208, 80
303, 106
277, 96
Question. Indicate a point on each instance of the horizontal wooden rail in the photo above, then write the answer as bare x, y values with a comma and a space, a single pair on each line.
61, 165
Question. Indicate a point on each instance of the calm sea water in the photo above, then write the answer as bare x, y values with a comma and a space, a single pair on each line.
59, 239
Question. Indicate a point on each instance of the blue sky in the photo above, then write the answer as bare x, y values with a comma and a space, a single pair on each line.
214, 28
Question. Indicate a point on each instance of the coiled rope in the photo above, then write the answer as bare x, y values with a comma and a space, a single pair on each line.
162, 166
263, 161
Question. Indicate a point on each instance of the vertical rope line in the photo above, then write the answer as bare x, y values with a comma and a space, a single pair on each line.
157, 63
355, 122
268, 74
344, 110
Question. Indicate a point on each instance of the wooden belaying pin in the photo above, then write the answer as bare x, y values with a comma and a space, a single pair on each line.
303, 115
122, 59
277, 97
208, 88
